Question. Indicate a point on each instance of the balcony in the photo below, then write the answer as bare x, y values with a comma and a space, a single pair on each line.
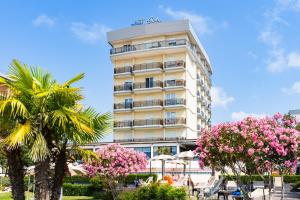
155, 104
123, 124
148, 46
174, 84
121, 107
177, 65
142, 87
122, 89
122, 71
172, 103
151, 139
198, 112
155, 67
174, 122
148, 123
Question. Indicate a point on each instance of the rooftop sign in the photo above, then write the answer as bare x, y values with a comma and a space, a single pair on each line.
149, 20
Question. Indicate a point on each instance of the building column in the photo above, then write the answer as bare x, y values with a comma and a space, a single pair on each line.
178, 148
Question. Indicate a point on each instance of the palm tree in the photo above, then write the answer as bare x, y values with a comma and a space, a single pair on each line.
50, 118
14, 161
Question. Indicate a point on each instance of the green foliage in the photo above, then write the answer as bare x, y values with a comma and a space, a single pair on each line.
77, 189
155, 192
77, 179
131, 177
248, 179
296, 186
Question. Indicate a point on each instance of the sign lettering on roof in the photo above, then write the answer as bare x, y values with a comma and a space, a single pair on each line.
149, 20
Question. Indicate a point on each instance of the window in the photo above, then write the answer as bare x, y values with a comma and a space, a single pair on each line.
170, 118
170, 115
149, 82
128, 85
171, 150
146, 150
128, 103
170, 99
172, 42
127, 47
171, 82
171, 96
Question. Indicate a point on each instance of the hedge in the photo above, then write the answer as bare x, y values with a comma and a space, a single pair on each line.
70, 189
246, 179
128, 180
77, 179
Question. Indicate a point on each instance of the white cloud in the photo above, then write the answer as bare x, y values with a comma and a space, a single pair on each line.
202, 24
44, 20
294, 89
294, 59
92, 33
252, 55
220, 97
236, 116
277, 60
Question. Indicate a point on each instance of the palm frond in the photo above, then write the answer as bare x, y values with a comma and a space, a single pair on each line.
86, 155
18, 135
15, 106
73, 80
39, 149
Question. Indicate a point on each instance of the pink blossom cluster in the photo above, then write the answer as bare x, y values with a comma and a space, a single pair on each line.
115, 160
259, 142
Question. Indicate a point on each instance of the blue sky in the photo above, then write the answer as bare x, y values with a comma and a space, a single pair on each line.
254, 46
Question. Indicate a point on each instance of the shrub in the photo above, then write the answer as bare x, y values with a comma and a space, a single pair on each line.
77, 179
296, 186
77, 189
155, 192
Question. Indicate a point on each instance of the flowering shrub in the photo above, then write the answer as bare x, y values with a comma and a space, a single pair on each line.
250, 145
114, 162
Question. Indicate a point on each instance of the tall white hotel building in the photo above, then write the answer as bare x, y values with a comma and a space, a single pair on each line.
161, 86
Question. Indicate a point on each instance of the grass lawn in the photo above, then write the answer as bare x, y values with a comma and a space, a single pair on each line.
7, 196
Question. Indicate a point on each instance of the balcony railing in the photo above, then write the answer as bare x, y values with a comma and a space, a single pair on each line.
148, 103
123, 124
174, 83
175, 121
198, 110
118, 106
147, 85
173, 102
120, 70
150, 139
118, 88
172, 64
199, 127
147, 66
148, 122
150, 45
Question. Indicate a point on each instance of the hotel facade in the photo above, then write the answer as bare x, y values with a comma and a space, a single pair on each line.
161, 86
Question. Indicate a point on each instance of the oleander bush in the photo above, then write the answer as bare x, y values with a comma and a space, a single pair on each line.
155, 192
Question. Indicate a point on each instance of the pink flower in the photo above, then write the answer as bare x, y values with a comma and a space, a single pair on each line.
250, 151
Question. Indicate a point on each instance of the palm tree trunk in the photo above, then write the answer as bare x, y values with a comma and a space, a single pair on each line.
16, 173
42, 182
58, 174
